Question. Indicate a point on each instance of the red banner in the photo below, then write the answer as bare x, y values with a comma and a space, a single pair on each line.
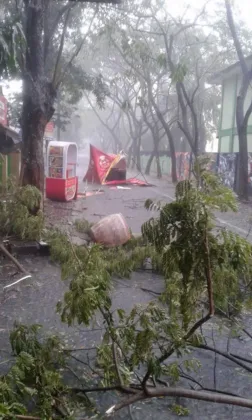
99, 169
98, 165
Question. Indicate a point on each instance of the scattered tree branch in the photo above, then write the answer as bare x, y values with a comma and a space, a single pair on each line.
181, 393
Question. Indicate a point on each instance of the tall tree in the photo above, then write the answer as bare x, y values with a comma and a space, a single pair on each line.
242, 115
46, 26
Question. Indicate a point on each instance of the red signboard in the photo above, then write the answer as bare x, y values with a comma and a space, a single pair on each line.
49, 131
49, 127
70, 189
3, 110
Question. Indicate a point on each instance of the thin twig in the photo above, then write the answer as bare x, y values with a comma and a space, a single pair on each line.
124, 390
226, 355
241, 358
61, 47
75, 54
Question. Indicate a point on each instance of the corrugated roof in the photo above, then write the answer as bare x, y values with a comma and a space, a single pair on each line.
10, 140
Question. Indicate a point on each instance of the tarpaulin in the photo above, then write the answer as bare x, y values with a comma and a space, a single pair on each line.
108, 169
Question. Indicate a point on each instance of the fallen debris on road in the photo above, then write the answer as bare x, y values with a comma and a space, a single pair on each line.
111, 231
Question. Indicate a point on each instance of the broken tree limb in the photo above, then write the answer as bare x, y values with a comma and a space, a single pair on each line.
17, 264
13, 259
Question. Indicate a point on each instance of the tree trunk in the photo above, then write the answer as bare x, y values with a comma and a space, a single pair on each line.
33, 127
242, 185
150, 160
241, 119
170, 140
173, 165
242, 122
138, 156
134, 154
38, 97
159, 170
129, 156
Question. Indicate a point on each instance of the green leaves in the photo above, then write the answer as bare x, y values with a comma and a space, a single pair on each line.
20, 214
33, 375
178, 234
162, 61
11, 41
179, 73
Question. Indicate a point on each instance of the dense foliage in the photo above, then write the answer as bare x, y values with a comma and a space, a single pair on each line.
205, 268
20, 213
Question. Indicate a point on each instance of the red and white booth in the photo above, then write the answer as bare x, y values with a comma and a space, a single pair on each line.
61, 179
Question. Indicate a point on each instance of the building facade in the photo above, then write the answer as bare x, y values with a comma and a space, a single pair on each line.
230, 81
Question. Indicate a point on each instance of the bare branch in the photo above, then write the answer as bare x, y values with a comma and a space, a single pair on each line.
111, 130
48, 34
236, 40
77, 51
60, 48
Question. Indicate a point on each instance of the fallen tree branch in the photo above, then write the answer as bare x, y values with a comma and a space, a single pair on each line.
201, 321
181, 393
226, 355
14, 260
241, 358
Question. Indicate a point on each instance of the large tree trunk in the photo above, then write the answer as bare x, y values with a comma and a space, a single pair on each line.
242, 125
242, 117
242, 184
33, 127
38, 97
170, 140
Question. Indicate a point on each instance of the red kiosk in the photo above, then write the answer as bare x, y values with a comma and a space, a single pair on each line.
61, 179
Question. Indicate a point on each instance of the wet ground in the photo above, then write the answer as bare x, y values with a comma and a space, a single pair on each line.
34, 300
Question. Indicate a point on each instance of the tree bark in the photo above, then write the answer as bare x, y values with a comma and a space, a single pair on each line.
38, 97
170, 140
150, 160
129, 155
242, 184
138, 156
159, 169
241, 117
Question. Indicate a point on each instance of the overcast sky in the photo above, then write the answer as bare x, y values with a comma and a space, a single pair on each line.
242, 9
